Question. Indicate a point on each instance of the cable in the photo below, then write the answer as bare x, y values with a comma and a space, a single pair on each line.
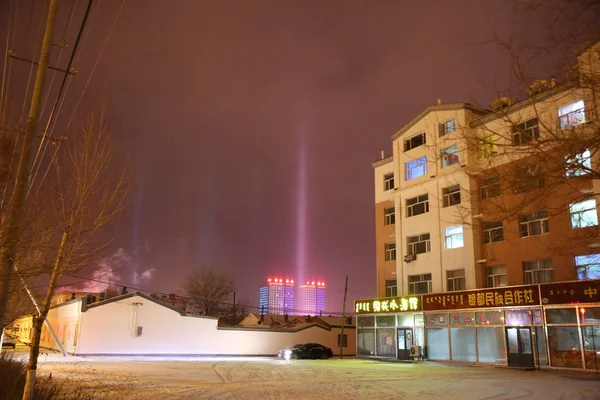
60, 91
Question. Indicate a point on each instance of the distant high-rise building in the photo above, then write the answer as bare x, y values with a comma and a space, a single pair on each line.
312, 298
277, 297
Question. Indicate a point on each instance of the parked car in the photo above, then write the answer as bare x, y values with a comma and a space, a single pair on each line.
9, 340
306, 350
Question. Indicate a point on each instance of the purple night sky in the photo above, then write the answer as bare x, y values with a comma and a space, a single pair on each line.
252, 125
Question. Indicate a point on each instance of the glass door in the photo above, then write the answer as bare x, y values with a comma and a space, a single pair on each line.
405, 341
520, 349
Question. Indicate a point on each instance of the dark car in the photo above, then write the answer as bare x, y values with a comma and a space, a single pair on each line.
9, 340
306, 350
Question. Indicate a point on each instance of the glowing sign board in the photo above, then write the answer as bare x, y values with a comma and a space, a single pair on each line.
387, 305
493, 297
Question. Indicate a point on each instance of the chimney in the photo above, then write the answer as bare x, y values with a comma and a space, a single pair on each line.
439, 102
124, 291
72, 296
382, 154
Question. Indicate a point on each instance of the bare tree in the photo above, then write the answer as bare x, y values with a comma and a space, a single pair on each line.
89, 193
209, 290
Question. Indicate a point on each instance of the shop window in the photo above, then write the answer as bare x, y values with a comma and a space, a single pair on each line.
591, 345
365, 321
564, 346
490, 345
561, 316
386, 342
463, 344
365, 342
386, 320
437, 344
590, 315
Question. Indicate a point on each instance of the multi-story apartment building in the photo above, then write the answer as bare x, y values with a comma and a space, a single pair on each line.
311, 298
488, 239
277, 297
473, 197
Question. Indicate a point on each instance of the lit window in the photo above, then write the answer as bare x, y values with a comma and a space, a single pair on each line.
496, 276
417, 205
416, 168
388, 181
583, 214
579, 164
447, 127
455, 280
450, 156
489, 187
390, 216
390, 251
493, 231
391, 288
525, 132
415, 141
588, 266
418, 244
451, 195
527, 177
571, 115
538, 271
488, 146
533, 224
453, 237
419, 284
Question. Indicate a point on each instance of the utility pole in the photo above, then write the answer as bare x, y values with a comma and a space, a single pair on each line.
11, 224
233, 322
343, 320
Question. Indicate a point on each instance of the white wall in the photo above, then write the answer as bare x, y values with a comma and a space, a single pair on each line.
108, 329
380, 171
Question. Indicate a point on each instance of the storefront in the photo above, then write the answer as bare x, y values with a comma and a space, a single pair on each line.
550, 325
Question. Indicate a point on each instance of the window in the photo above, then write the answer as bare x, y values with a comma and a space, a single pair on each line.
391, 288
571, 115
451, 195
493, 231
390, 216
578, 164
419, 284
453, 237
415, 141
342, 340
533, 224
527, 177
583, 214
450, 156
588, 266
417, 205
416, 168
489, 187
488, 146
525, 132
418, 244
496, 276
390, 251
538, 271
447, 127
388, 181
455, 280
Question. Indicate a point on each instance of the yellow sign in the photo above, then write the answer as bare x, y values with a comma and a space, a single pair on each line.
387, 305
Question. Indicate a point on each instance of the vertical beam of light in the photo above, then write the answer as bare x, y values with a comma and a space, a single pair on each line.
301, 215
137, 210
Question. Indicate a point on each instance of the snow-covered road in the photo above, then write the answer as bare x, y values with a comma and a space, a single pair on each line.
252, 378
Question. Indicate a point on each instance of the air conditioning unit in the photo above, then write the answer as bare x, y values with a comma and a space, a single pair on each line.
415, 351
410, 257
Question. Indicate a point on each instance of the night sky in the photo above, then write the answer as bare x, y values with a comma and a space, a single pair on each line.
252, 125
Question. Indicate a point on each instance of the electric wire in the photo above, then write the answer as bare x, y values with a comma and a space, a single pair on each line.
59, 97
85, 87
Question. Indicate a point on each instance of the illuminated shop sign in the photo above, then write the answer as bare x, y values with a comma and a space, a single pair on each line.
493, 297
387, 305
571, 292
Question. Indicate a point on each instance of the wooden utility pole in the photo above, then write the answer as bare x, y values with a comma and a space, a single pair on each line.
11, 226
343, 320
233, 321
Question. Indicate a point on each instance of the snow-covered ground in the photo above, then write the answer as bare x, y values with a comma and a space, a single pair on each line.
264, 378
